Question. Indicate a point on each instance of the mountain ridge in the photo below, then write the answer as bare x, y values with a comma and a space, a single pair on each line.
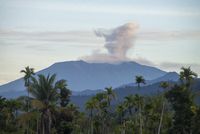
82, 75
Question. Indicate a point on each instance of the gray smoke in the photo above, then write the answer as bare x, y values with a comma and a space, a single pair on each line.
117, 42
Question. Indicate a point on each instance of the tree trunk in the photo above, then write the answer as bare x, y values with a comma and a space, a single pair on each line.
42, 125
140, 116
49, 121
124, 128
92, 127
130, 111
46, 122
91, 121
37, 126
28, 110
28, 100
161, 117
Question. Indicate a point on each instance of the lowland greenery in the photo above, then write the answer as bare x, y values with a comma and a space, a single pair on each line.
47, 109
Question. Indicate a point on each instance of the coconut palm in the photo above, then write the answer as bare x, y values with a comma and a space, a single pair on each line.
129, 102
120, 111
187, 75
101, 102
163, 85
91, 105
110, 94
139, 80
139, 104
64, 92
29, 72
45, 94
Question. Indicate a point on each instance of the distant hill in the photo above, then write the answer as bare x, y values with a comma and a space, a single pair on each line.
147, 90
81, 75
121, 92
171, 76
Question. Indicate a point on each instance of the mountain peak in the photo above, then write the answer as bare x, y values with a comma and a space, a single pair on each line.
82, 75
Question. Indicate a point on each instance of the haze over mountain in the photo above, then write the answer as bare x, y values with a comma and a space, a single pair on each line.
171, 76
81, 76
146, 90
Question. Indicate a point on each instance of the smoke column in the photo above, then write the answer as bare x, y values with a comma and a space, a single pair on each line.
117, 42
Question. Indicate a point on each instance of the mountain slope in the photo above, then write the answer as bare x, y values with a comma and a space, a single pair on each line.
171, 76
147, 90
81, 75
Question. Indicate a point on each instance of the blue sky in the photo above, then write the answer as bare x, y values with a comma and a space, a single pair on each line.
39, 33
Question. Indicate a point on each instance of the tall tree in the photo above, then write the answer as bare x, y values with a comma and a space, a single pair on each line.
139, 100
129, 102
64, 92
181, 100
139, 80
110, 94
91, 105
187, 75
45, 93
120, 110
29, 72
163, 85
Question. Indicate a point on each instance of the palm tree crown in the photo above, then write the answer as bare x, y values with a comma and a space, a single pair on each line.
139, 80
187, 75
164, 85
28, 74
129, 102
64, 92
110, 94
44, 89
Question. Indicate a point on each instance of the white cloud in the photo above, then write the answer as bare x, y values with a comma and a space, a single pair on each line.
86, 38
170, 66
130, 9
168, 35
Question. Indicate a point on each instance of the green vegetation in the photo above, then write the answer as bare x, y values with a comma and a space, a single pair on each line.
47, 109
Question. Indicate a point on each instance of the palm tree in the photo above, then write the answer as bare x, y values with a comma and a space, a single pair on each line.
64, 92
129, 102
91, 105
102, 110
110, 94
163, 85
139, 80
44, 91
187, 75
139, 103
29, 72
101, 102
120, 111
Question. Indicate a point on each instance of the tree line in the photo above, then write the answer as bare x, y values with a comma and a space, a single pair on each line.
47, 109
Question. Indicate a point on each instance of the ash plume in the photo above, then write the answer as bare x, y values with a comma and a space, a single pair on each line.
117, 43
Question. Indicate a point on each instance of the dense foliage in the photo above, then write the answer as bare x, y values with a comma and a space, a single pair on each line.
47, 109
